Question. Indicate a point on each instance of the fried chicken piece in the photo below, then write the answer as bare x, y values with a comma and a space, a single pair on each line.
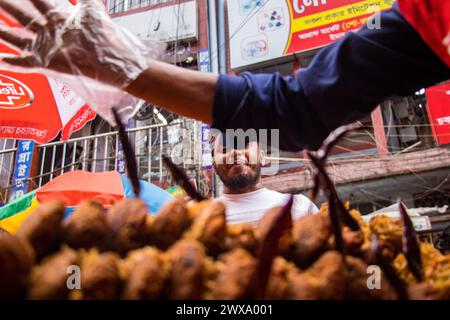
210, 228
364, 226
310, 236
369, 257
100, 278
323, 280
278, 284
170, 224
86, 227
43, 228
353, 241
324, 209
387, 230
188, 275
49, 280
127, 226
365, 250
196, 207
234, 276
356, 279
145, 273
285, 241
148, 225
241, 236
16, 260
436, 268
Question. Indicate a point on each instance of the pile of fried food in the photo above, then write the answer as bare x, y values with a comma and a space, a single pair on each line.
188, 251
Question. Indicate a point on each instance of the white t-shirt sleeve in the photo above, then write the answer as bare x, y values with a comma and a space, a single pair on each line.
303, 206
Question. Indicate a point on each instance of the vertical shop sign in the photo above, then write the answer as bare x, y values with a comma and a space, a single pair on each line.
22, 169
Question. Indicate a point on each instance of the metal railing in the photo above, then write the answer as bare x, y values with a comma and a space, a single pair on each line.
101, 152
7, 160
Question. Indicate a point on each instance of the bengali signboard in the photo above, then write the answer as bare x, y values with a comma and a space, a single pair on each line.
264, 30
22, 169
203, 60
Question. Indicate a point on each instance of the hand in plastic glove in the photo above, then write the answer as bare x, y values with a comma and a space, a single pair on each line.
84, 43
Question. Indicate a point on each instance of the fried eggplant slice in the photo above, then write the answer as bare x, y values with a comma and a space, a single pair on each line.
234, 278
86, 227
170, 224
43, 228
16, 260
49, 280
145, 274
127, 226
210, 228
188, 275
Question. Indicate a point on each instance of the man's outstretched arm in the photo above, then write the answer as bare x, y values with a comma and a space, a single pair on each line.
185, 92
344, 83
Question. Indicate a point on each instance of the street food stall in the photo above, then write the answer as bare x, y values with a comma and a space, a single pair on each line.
117, 249
188, 251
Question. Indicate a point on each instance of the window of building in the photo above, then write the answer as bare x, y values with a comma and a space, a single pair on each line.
115, 6
428, 199
132, 4
407, 124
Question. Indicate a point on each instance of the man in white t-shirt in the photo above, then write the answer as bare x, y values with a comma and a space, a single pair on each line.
244, 197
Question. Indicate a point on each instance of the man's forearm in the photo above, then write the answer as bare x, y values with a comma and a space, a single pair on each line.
185, 92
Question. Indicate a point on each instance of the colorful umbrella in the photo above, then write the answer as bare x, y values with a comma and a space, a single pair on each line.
74, 187
35, 107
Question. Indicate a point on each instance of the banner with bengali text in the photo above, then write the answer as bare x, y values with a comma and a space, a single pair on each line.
261, 31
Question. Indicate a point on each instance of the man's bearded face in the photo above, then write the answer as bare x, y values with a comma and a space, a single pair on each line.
238, 168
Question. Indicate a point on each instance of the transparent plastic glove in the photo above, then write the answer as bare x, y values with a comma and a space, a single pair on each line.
84, 45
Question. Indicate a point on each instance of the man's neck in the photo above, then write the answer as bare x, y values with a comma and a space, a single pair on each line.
244, 190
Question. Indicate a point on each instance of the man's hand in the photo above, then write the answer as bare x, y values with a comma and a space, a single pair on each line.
84, 43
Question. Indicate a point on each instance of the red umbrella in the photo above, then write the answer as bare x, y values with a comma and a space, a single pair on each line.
76, 186
36, 107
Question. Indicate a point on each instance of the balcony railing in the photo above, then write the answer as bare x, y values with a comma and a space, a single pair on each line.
101, 152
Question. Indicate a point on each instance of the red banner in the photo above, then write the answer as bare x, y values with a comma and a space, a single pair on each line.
34, 108
439, 112
431, 19
35, 116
